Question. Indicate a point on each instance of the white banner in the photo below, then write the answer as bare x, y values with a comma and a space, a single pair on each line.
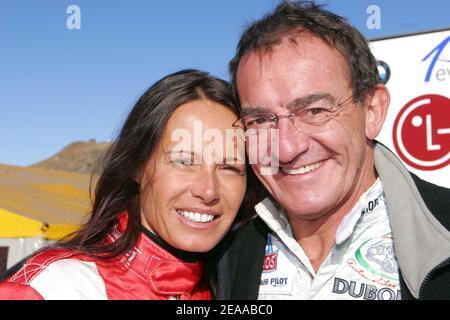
417, 129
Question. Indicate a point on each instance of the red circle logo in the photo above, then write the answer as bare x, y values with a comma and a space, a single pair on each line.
421, 132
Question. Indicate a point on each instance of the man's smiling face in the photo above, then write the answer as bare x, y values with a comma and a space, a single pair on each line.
317, 172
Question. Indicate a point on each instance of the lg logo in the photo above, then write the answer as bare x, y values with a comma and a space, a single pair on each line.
422, 132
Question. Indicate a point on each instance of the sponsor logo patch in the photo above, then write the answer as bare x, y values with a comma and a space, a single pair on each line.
438, 59
270, 258
364, 291
375, 261
421, 132
384, 72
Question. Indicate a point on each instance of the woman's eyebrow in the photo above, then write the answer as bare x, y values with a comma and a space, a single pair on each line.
179, 152
233, 160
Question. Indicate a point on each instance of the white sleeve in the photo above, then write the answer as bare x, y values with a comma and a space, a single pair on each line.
70, 279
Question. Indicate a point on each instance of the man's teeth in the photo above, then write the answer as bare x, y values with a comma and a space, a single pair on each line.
302, 170
196, 216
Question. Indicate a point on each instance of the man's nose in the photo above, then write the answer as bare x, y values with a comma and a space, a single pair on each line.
292, 142
206, 186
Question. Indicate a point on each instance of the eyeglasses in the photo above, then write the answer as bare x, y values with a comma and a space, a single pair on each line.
310, 119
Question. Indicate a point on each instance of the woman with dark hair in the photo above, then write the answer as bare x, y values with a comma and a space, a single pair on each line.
162, 202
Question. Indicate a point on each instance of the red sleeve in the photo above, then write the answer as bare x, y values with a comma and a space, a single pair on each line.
15, 291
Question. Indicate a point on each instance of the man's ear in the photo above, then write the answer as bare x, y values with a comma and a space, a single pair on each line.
377, 107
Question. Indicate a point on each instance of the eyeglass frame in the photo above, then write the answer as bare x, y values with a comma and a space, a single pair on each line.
239, 123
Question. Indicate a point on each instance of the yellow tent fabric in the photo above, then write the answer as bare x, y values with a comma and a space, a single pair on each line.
16, 226
41, 202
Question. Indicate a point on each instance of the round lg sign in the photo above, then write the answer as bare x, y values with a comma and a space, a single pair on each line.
422, 132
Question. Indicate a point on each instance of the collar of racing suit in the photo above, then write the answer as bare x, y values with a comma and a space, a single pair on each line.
421, 242
166, 273
180, 254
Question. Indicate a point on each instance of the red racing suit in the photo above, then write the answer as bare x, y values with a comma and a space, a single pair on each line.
147, 272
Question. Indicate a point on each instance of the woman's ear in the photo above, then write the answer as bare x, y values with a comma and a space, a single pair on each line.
377, 107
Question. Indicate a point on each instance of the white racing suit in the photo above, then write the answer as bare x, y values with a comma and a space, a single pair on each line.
361, 264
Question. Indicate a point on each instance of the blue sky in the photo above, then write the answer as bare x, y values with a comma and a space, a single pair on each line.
58, 85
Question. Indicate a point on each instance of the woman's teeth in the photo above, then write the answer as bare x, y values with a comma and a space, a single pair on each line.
196, 216
302, 170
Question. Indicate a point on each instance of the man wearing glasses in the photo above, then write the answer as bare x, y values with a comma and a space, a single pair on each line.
344, 218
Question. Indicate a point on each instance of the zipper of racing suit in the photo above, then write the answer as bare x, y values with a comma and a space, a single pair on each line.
443, 264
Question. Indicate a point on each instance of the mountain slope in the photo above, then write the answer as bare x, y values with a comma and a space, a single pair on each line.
80, 157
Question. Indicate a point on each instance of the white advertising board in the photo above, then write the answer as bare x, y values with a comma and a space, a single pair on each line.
417, 128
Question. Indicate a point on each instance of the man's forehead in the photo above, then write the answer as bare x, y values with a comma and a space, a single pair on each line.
291, 65
297, 43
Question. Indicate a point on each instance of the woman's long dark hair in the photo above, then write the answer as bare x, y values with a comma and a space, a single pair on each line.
117, 189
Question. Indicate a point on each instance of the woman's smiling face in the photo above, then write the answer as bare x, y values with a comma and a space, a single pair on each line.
194, 183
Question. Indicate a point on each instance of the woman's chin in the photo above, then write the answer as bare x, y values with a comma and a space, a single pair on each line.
196, 245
